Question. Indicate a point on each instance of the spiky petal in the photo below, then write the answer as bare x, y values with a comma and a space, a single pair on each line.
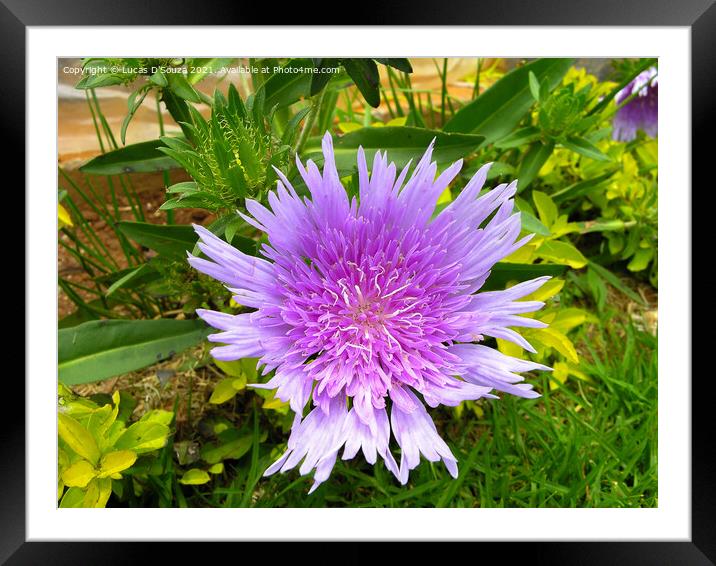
365, 306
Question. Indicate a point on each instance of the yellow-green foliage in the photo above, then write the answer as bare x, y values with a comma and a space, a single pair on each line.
95, 446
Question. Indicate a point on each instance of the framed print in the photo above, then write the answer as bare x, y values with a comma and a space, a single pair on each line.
364, 283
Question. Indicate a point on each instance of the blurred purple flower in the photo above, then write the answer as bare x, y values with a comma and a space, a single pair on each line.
642, 112
362, 304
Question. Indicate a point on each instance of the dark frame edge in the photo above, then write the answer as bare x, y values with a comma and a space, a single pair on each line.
700, 550
12, 465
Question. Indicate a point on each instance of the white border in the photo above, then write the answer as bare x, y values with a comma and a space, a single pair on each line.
671, 521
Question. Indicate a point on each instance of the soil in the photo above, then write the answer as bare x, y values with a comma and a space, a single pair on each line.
151, 193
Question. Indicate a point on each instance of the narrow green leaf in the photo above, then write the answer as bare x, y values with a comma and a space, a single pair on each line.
498, 110
133, 275
286, 87
169, 240
615, 282
143, 157
100, 349
402, 144
180, 86
518, 138
532, 162
585, 147
502, 273
534, 86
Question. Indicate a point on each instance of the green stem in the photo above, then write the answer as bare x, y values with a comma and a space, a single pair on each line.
316, 102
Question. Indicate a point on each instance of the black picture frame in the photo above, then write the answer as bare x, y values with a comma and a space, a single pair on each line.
698, 15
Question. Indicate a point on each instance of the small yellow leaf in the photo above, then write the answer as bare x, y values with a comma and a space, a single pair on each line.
115, 462
567, 319
400, 121
72, 498
562, 253
546, 291
223, 391
195, 477
229, 368
560, 372
217, 468
63, 217
510, 349
521, 255
79, 474
346, 127
445, 196
555, 339
78, 438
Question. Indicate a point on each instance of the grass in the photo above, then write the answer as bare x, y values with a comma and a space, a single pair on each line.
587, 443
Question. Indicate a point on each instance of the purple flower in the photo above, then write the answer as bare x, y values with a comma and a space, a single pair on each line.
642, 112
363, 306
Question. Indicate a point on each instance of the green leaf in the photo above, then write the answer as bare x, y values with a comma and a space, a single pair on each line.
546, 208
498, 110
641, 259
115, 462
364, 73
143, 437
400, 64
284, 88
402, 144
180, 86
503, 273
78, 438
159, 78
194, 477
320, 79
100, 349
532, 162
205, 66
615, 282
72, 498
185, 187
518, 138
143, 157
172, 241
224, 391
79, 474
534, 86
158, 416
133, 275
232, 450
581, 188
133, 103
585, 147
562, 252
98, 492
555, 339
217, 468
531, 224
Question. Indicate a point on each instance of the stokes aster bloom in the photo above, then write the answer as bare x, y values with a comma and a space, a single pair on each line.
642, 112
369, 308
